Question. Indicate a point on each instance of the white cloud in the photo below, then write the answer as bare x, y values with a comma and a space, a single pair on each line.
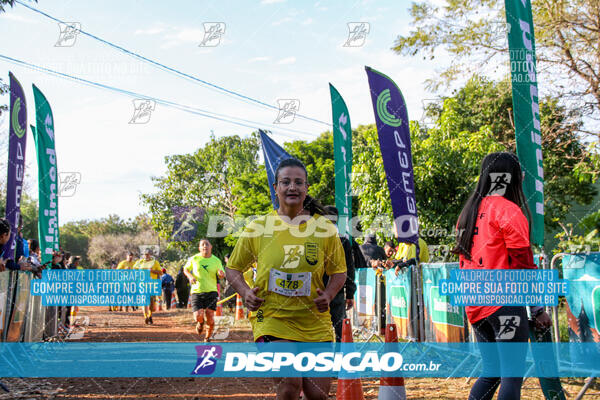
586, 278
281, 21
264, 2
258, 59
149, 31
17, 18
186, 35
307, 21
287, 61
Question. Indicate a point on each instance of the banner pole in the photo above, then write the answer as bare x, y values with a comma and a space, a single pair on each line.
555, 327
420, 308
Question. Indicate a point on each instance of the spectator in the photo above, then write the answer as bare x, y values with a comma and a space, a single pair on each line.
74, 263
182, 285
407, 254
372, 252
66, 257
344, 299
389, 249
6, 260
34, 252
168, 285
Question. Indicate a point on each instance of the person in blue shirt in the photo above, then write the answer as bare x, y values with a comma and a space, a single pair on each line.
168, 285
6, 260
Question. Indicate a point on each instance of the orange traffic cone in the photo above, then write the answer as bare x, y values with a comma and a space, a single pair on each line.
219, 312
173, 302
239, 308
348, 389
391, 387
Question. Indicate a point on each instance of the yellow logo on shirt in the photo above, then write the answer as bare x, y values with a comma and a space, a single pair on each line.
292, 255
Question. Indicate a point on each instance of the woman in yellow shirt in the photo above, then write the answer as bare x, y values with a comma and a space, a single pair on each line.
293, 247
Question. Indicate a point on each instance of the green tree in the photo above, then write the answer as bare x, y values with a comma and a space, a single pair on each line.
446, 165
206, 178
317, 156
569, 168
473, 33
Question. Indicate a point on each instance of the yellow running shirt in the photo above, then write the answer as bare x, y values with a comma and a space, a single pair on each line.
291, 261
151, 265
204, 270
406, 251
126, 264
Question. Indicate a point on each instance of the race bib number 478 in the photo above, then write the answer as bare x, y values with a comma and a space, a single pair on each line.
296, 284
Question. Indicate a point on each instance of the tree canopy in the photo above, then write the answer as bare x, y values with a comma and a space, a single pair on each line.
474, 34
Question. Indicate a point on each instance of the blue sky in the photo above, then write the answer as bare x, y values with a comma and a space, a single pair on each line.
270, 50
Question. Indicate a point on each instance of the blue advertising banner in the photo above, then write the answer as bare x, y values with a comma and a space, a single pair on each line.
393, 128
206, 360
583, 299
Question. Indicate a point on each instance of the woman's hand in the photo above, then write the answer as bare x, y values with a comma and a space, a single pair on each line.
253, 302
322, 301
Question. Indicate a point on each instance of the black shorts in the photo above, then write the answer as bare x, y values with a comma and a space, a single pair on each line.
204, 300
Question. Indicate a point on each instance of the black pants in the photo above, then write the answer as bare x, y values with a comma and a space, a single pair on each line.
183, 297
337, 308
167, 296
508, 324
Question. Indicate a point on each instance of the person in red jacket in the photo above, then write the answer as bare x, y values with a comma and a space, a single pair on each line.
493, 233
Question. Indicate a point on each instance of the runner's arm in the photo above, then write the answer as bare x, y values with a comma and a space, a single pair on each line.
236, 279
335, 284
189, 276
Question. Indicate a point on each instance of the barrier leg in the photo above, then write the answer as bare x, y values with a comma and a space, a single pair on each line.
588, 382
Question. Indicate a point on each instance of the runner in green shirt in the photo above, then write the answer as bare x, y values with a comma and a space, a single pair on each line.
202, 271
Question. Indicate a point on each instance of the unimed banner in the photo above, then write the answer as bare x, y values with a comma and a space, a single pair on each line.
17, 140
443, 322
398, 291
4, 280
19, 312
583, 298
342, 154
393, 129
526, 109
43, 135
364, 297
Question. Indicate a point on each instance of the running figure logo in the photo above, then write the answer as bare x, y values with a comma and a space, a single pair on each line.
68, 34
508, 326
357, 34
287, 111
292, 254
207, 359
142, 111
213, 31
499, 183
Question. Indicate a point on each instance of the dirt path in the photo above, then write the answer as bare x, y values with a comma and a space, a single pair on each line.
177, 326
